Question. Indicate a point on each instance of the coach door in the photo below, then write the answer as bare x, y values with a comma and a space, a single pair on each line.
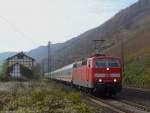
88, 73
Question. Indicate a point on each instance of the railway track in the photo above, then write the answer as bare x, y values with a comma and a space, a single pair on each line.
119, 106
145, 108
140, 97
138, 89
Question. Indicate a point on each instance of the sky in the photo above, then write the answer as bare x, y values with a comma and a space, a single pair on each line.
27, 24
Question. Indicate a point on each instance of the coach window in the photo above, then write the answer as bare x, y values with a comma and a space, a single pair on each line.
84, 62
74, 65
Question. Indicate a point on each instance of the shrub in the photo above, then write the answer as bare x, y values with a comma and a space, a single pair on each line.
137, 73
5, 75
40, 99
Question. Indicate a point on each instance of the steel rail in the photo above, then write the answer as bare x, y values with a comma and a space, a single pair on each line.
105, 105
145, 108
119, 106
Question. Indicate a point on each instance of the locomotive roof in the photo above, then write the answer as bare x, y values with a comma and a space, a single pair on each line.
103, 56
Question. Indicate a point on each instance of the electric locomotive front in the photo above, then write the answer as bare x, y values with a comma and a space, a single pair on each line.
107, 75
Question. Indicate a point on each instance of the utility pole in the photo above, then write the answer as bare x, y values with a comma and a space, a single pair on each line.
96, 45
122, 53
49, 59
43, 69
122, 48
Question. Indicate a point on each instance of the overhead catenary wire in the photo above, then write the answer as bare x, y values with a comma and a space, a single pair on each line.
17, 30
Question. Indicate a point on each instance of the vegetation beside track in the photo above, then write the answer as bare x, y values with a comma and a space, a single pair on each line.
137, 72
40, 97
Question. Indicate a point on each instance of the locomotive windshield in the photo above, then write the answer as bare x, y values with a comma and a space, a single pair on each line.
104, 63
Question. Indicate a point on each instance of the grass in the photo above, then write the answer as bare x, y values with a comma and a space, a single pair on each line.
40, 97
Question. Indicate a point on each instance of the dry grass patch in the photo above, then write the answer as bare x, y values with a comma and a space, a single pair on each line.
41, 97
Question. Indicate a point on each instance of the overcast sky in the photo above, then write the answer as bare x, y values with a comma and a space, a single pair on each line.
27, 24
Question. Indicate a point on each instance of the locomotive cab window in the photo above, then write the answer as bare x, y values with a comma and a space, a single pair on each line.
113, 63
103, 63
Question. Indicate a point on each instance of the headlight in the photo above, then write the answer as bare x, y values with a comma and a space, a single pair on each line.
100, 75
115, 80
115, 75
100, 80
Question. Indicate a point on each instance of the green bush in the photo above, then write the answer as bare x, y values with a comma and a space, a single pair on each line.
5, 75
137, 73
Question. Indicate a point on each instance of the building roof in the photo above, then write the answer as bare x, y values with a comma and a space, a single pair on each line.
21, 54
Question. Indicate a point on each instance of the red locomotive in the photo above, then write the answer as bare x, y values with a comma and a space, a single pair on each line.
98, 74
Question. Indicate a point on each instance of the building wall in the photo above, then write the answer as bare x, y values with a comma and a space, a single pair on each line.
25, 61
16, 62
16, 71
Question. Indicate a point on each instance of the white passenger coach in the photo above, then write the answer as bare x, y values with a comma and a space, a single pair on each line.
63, 74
